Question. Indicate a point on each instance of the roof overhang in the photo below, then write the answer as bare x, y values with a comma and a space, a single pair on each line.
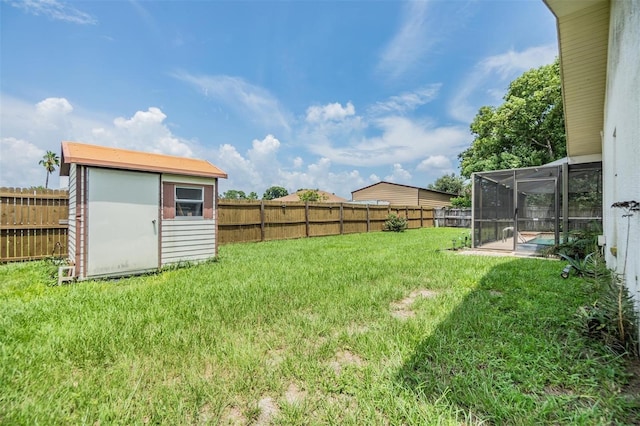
583, 36
124, 159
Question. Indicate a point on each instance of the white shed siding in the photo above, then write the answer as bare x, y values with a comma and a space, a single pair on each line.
187, 240
621, 143
81, 215
71, 232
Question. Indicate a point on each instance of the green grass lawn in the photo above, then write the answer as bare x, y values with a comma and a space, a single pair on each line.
379, 328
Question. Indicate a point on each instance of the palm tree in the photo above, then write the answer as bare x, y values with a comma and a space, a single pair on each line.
49, 161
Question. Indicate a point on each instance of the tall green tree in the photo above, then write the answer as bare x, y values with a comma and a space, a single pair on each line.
49, 161
310, 195
234, 194
274, 192
448, 183
526, 130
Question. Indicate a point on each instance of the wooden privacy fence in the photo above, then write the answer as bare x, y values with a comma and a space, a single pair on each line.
33, 223
240, 221
456, 218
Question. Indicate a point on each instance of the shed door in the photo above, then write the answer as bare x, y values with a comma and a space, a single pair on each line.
123, 223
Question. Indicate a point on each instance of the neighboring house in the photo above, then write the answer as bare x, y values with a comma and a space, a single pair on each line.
404, 195
599, 43
325, 196
132, 212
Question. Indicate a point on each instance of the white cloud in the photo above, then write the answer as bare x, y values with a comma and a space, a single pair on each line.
265, 147
434, 162
54, 107
411, 43
56, 10
330, 112
320, 175
144, 131
31, 129
407, 101
497, 70
19, 159
399, 174
400, 140
247, 100
260, 168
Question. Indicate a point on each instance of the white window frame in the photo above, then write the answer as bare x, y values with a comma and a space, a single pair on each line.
189, 201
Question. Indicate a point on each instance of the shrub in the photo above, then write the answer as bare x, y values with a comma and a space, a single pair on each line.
580, 244
611, 318
395, 223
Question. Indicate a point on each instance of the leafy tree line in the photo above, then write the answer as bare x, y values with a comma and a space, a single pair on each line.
527, 129
274, 192
271, 193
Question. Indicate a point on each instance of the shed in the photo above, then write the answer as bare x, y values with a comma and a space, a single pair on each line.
404, 195
132, 212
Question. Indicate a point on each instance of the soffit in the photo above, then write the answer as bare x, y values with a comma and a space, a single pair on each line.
583, 33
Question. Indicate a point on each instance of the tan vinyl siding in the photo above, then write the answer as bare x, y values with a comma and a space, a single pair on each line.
394, 194
434, 199
187, 240
71, 233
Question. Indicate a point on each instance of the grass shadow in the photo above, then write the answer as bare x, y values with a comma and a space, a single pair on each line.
511, 354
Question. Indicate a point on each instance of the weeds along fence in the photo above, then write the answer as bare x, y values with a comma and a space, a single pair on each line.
243, 221
33, 223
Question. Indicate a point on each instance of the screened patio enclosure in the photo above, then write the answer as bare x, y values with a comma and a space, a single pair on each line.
529, 209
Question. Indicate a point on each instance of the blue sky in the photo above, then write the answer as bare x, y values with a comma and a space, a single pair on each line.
334, 95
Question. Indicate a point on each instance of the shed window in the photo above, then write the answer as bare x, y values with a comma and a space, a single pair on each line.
189, 201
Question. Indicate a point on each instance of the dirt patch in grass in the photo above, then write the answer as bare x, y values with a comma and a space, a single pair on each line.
344, 358
275, 357
402, 308
232, 415
268, 410
294, 395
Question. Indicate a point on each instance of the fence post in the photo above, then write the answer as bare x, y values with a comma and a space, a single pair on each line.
306, 217
262, 220
368, 220
341, 219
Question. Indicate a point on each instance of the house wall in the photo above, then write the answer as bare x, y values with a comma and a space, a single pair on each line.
188, 239
394, 194
621, 143
433, 199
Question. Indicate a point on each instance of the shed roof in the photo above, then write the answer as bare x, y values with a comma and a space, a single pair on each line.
116, 158
405, 186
